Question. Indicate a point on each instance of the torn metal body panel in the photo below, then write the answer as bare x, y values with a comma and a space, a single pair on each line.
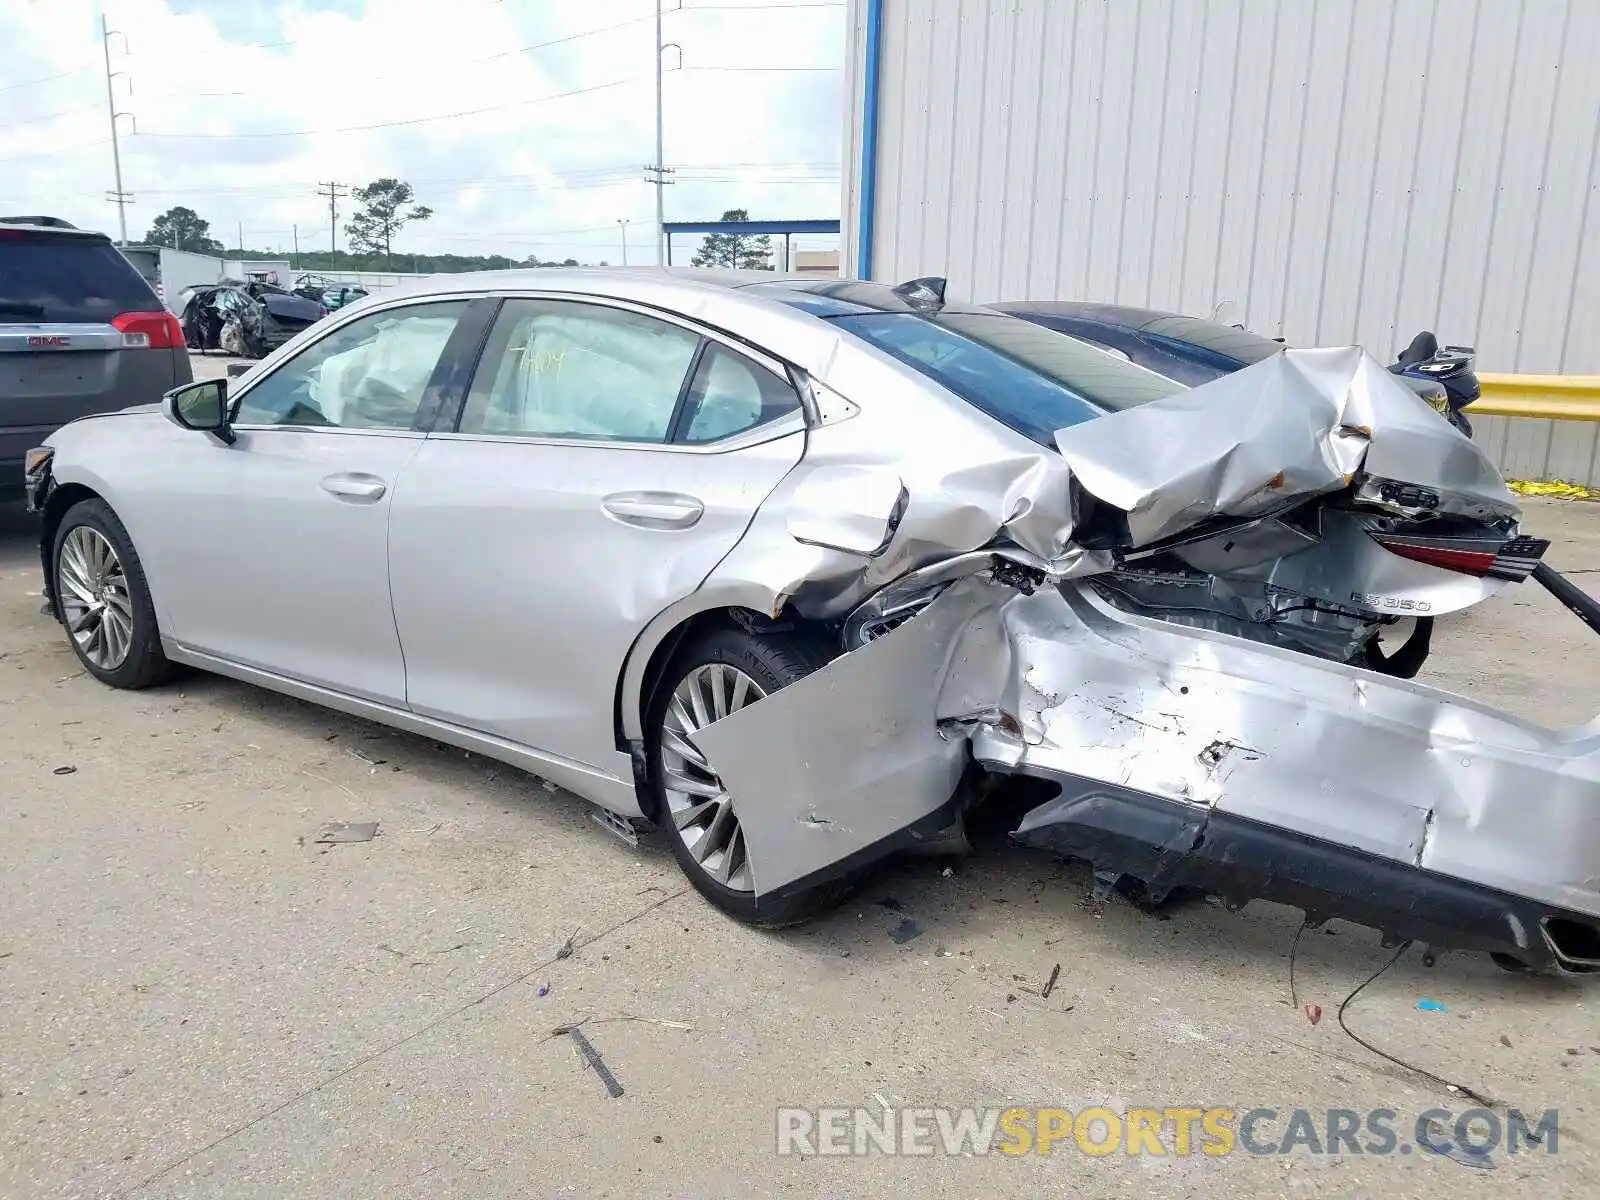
1295, 426
1185, 758
851, 757
1177, 628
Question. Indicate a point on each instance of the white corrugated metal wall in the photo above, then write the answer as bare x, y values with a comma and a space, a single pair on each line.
1344, 171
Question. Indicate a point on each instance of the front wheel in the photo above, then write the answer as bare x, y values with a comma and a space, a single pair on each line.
717, 674
103, 600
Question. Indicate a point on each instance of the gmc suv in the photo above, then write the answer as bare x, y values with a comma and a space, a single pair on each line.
81, 332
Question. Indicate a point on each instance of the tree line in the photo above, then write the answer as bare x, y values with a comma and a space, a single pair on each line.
385, 207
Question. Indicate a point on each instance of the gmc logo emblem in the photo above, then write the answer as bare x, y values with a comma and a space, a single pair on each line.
48, 340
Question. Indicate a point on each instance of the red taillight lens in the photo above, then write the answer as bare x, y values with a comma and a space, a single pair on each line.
1504, 558
156, 330
1451, 558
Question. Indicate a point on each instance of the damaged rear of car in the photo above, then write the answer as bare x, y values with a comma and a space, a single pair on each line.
248, 320
1178, 613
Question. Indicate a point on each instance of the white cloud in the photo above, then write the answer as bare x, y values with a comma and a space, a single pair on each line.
539, 175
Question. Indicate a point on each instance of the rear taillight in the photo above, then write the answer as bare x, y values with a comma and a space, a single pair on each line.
1502, 558
149, 330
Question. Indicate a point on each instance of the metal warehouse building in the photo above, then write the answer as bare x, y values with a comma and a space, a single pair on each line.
1341, 171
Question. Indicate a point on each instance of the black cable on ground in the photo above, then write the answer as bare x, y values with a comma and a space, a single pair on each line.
1466, 1091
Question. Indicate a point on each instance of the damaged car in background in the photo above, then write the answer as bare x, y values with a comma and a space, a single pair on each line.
248, 319
795, 569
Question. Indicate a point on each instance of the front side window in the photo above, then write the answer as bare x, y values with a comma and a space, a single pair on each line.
371, 374
562, 369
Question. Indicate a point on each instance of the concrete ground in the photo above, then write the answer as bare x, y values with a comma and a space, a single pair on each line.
200, 1000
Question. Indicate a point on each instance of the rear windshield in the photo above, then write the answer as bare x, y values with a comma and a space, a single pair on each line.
51, 278
1029, 402
1228, 340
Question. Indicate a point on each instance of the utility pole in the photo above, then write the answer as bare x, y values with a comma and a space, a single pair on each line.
241, 241
296, 247
333, 191
658, 172
622, 223
121, 198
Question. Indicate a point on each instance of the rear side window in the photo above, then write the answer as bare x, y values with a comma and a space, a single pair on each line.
50, 278
561, 369
730, 395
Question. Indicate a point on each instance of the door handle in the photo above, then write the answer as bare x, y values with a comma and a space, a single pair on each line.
354, 486
653, 510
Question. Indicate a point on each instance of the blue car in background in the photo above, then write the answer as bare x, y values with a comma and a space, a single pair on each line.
1193, 350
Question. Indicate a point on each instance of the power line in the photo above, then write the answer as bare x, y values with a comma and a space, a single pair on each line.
66, 112
471, 112
55, 151
796, 69
11, 87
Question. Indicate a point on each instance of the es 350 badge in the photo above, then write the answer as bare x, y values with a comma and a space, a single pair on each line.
1390, 603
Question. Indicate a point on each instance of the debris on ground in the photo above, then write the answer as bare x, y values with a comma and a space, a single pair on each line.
1427, 1005
565, 950
1313, 1013
543, 990
68, 770
592, 1057
905, 932
1559, 489
1452, 1148
1050, 984
342, 832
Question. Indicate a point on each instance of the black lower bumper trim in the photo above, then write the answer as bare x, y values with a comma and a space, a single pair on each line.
1168, 845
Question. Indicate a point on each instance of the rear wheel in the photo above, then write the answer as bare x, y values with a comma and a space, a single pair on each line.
103, 600
715, 675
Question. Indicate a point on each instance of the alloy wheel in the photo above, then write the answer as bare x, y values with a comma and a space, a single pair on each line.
699, 805
92, 590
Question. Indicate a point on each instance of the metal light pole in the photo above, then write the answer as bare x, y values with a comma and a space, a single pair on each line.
661, 160
120, 197
622, 223
657, 173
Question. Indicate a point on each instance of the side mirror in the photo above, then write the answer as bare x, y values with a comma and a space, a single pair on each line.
203, 407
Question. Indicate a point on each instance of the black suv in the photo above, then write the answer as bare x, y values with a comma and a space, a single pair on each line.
80, 332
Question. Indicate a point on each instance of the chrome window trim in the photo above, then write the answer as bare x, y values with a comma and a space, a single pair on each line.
785, 426
354, 431
798, 420
754, 354
796, 380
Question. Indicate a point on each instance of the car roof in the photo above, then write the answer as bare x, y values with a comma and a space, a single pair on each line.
52, 227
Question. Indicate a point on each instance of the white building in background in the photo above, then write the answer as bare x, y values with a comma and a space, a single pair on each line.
1341, 170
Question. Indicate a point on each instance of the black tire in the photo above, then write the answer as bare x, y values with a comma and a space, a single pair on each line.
773, 661
145, 665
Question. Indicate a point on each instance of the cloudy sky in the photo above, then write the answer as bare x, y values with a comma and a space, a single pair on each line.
524, 124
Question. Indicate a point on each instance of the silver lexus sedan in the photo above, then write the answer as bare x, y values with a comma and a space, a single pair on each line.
790, 568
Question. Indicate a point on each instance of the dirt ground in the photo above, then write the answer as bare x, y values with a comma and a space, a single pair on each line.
200, 1000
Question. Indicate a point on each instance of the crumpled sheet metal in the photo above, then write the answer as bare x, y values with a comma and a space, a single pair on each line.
849, 755
1391, 767
1061, 683
1297, 425
967, 486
